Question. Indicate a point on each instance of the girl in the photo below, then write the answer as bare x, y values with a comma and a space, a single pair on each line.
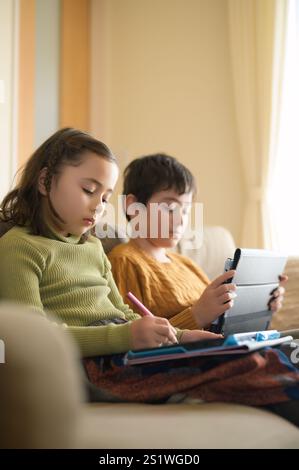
169, 284
50, 261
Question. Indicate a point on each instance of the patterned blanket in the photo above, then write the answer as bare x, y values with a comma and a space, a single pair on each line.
260, 378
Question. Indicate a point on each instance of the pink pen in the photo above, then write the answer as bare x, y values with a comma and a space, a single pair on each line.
143, 310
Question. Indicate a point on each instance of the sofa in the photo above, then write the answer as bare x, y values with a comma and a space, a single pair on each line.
43, 401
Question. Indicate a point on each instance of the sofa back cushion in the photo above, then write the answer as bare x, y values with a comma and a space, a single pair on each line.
288, 317
4, 227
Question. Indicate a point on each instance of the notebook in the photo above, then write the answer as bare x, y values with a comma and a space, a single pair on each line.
204, 348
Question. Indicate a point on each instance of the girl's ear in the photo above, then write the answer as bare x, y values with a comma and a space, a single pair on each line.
129, 199
41, 181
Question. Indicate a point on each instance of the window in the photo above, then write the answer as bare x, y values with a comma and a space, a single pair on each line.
283, 193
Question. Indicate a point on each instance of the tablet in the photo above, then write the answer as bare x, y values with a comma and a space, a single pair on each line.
257, 276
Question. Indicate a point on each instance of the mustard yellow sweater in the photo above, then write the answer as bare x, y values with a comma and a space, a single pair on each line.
72, 280
168, 289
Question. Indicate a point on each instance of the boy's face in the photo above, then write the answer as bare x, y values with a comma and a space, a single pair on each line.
167, 217
79, 193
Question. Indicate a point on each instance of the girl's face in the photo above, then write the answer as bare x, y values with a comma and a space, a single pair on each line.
79, 193
167, 225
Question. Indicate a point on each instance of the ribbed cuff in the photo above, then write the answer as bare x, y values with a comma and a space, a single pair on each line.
102, 340
184, 320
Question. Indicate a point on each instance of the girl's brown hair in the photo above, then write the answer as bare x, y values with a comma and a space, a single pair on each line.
22, 205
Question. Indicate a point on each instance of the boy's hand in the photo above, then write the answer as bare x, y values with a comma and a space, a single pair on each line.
152, 332
215, 300
276, 300
197, 335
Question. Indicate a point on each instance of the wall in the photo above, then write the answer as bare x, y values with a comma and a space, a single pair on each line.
54, 70
38, 74
26, 80
47, 69
75, 64
8, 38
161, 81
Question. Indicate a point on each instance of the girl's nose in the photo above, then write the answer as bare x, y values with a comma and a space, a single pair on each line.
99, 208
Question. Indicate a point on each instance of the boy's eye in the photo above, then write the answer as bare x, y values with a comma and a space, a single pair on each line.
167, 207
175, 207
172, 207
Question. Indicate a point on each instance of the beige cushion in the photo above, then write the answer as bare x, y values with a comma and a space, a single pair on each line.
40, 389
217, 245
288, 317
200, 426
4, 227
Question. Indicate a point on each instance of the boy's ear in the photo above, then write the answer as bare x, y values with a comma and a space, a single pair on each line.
129, 199
41, 181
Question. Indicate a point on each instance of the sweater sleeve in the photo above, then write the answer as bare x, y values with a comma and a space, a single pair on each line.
184, 320
21, 271
116, 295
110, 339
127, 279
102, 340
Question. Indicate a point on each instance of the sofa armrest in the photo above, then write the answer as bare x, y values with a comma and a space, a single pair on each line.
41, 389
288, 317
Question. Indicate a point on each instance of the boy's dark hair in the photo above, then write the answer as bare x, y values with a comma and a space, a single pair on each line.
147, 175
22, 205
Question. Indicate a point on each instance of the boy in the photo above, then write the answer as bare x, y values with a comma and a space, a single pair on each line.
169, 284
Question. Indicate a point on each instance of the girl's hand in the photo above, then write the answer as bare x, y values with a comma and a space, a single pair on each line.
197, 335
276, 300
151, 332
215, 300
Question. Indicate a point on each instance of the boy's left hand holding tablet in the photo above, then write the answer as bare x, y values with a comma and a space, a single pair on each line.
217, 297
276, 300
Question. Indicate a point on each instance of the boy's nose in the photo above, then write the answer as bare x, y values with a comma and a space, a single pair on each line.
178, 219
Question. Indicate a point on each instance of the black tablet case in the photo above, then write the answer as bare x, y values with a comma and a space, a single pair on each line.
257, 275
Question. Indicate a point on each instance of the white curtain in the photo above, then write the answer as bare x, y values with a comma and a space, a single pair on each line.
257, 29
283, 188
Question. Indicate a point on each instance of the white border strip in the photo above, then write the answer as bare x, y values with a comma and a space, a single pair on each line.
15, 90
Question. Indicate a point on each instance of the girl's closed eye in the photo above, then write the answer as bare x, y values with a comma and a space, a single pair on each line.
88, 191
92, 192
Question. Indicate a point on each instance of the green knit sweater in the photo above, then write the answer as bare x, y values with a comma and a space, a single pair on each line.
69, 279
